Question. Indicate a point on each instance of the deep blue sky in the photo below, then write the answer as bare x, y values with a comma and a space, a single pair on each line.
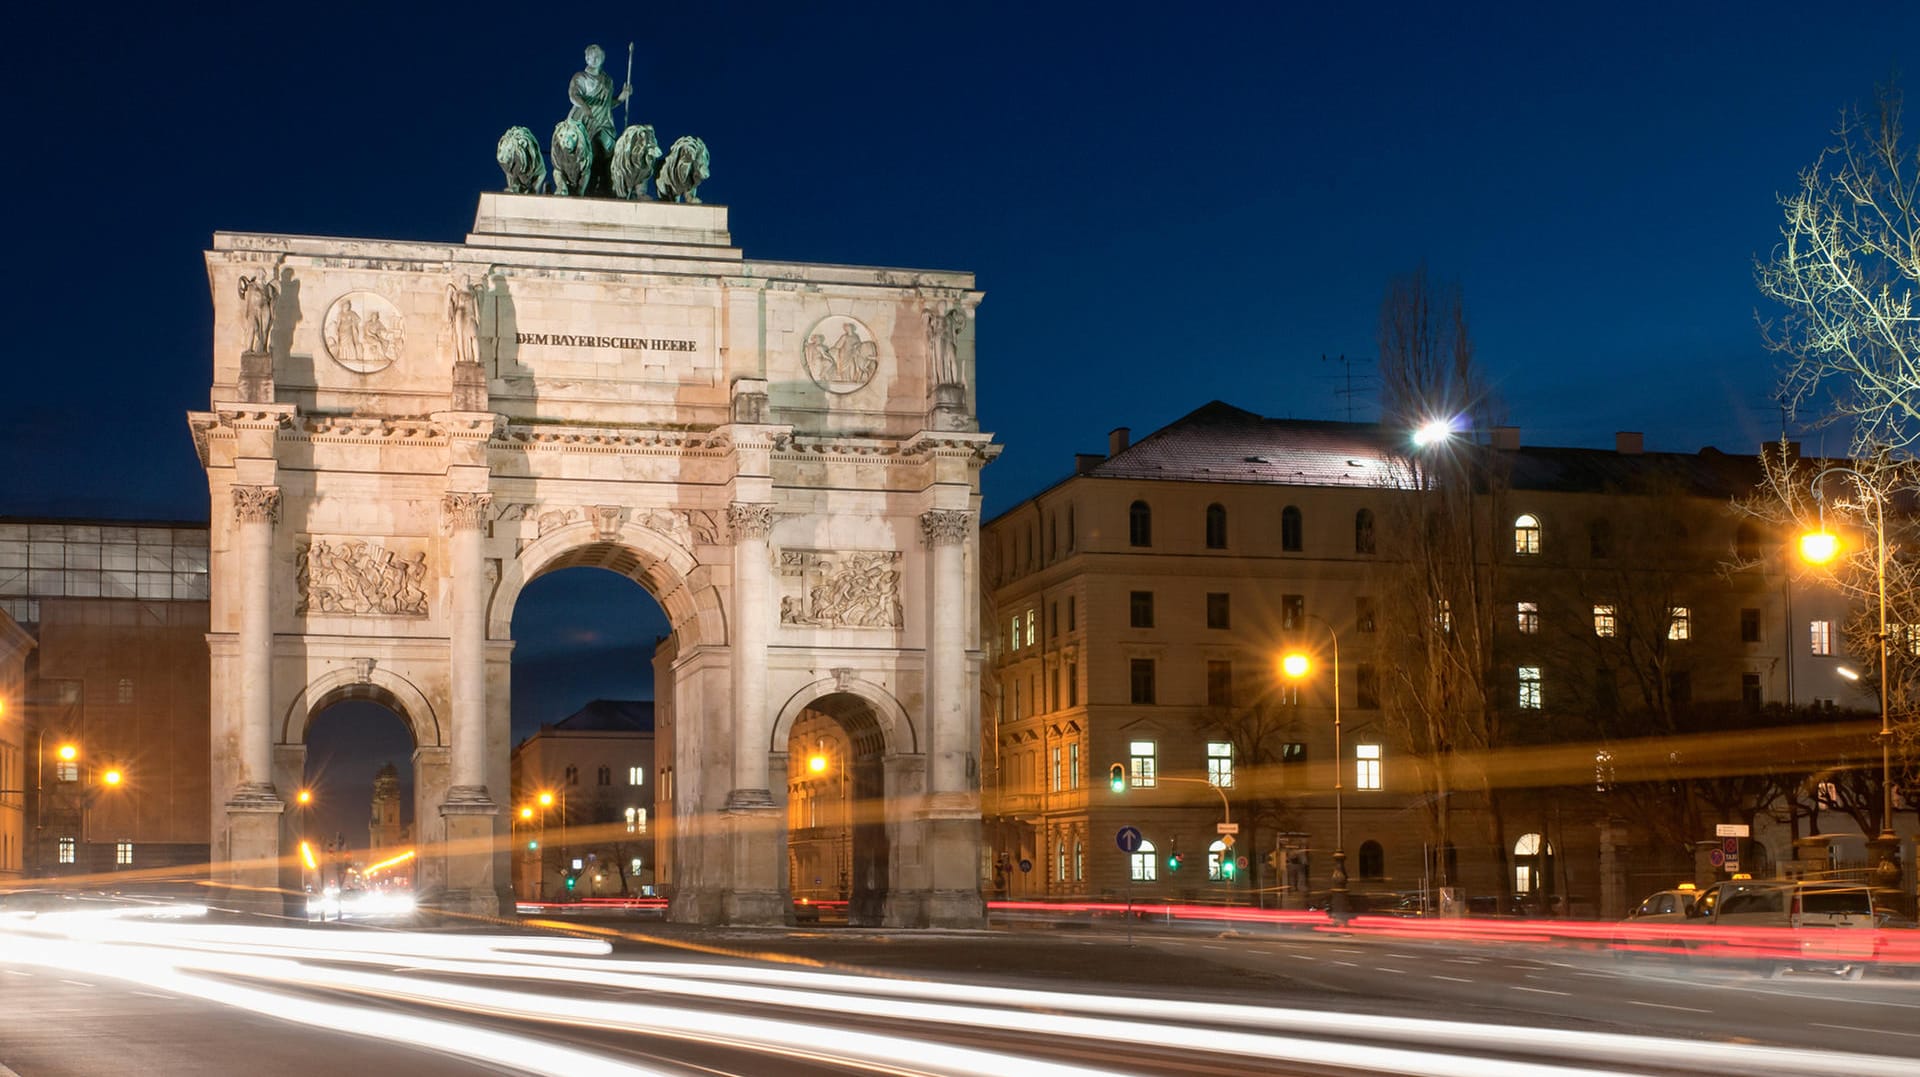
1164, 204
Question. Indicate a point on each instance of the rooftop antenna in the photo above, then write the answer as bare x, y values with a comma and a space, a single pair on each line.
1346, 376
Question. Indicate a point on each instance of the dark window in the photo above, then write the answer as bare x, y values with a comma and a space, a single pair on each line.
606, 775
1053, 620
1293, 611
1140, 609
1216, 527
1373, 860
1071, 616
1750, 690
1073, 684
1053, 536
1746, 543
573, 775
1054, 698
1219, 684
1293, 752
1290, 529
1363, 531
1600, 540
1069, 528
1749, 626
1606, 696
1366, 685
1219, 613
1363, 613
1139, 524
1680, 686
1141, 670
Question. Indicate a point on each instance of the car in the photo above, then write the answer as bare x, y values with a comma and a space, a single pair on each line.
1798, 925
1666, 905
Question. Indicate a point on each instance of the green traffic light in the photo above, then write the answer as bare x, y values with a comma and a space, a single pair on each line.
1227, 867
1117, 777
1173, 862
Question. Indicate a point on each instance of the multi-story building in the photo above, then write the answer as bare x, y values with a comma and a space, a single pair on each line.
1612, 600
583, 792
116, 689
15, 747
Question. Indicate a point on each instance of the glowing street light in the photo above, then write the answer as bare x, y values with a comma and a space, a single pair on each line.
1297, 665
67, 753
1819, 547
526, 814
305, 797
112, 776
817, 763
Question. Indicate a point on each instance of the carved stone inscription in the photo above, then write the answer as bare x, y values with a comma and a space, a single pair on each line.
358, 577
829, 589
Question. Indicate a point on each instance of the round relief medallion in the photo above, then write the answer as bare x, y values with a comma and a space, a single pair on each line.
363, 332
840, 354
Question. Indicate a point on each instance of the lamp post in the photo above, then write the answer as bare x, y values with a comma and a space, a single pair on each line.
546, 801
1820, 547
1297, 665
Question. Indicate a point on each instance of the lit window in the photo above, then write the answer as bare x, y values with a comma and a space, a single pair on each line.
636, 775
1528, 617
1143, 865
1605, 621
1056, 768
1013, 636
67, 849
122, 853
1603, 771
636, 820
1680, 623
634, 868
1073, 765
1060, 861
1033, 621
1443, 614
1144, 756
1220, 764
1526, 534
1079, 861
1366, 769
1821, 634
66, 770
1530, 688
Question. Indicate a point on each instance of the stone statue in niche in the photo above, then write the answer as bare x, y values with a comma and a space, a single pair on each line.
636, 157
359, 577
840, 590
257, 296
943, 342
463, 318
687, 167
572, 158
518, 153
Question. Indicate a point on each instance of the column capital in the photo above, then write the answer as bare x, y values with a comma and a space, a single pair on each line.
256, 504
465, 511
945, 527
750, 521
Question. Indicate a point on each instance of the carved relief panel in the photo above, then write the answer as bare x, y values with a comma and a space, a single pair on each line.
363, 332
354, 576
834, 589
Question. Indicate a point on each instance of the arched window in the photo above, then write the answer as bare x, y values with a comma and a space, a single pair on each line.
1216, 527
1373, 860
1600, 539
1363, 531
1532, 864
1746, 542
1216, 852
1139, 524
1290, 529
606, 776
1526, 534
1143, 865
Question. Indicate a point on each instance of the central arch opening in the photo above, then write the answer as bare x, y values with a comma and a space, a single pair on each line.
351, 819
583, 810
837, 844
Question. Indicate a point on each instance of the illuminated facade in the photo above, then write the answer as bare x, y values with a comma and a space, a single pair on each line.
584, 789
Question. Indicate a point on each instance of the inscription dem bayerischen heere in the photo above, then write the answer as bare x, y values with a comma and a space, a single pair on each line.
636, 344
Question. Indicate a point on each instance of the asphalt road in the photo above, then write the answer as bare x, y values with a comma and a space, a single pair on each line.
197, 998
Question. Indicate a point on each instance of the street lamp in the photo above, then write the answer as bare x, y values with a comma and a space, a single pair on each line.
546, 798
1820, 547
817, 763
1297, 665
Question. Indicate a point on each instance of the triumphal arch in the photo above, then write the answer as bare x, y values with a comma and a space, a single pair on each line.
402, 435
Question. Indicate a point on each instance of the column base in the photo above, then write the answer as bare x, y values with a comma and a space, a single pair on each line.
252, 882
468, 800
469, 859
764, 908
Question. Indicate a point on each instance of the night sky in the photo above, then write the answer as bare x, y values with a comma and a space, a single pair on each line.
1164, 204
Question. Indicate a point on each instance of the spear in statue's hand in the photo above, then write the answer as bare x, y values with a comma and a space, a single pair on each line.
627, 119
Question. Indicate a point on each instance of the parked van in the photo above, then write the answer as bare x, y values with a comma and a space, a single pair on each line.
1800, 925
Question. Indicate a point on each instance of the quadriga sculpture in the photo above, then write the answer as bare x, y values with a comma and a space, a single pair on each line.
684, 170
572, 157
519, 157
635, 157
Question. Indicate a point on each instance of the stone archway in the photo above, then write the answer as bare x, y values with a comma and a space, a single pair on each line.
845, 820
785, 457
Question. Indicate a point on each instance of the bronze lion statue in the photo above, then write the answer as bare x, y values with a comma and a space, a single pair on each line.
684, 170
572, 158
519, 157
636, 156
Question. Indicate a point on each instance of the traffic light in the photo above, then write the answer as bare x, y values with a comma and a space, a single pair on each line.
571, 880
1117, 777
1173, 861
1273, 860
1227, 868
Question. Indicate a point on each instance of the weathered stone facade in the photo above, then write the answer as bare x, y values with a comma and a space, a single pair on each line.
649, 401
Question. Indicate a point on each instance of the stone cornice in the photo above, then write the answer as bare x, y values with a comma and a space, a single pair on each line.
977, 448
608, 439
469, 425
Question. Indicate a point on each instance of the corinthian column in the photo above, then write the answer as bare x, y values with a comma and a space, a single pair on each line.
465, 515
752, 613
255, 510
945, 532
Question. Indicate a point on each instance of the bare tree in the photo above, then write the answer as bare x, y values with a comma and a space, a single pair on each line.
1845, 271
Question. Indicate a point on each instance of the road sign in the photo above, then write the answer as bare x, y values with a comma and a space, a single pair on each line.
1128, 839
1227, 840
1716, 857
1731, 830
1226, 828
1025, 864
1732, 864
1730, 846
1240, 862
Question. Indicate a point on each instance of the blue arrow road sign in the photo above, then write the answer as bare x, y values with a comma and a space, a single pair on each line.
1128, 839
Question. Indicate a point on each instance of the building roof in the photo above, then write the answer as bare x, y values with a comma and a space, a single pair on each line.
608, 716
